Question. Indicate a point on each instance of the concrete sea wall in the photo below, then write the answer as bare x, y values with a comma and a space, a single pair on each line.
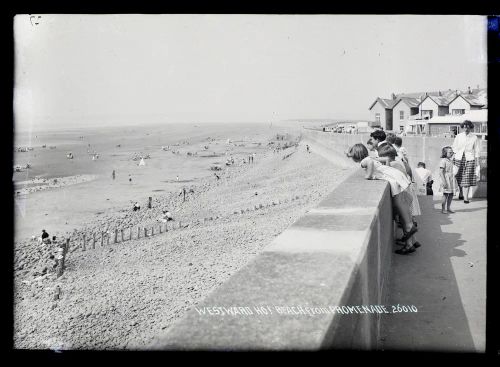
338, 254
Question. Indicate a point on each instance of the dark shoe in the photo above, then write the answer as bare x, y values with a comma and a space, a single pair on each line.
460, 197
450, 211
407, 235
466, 201
417, 244
405, 251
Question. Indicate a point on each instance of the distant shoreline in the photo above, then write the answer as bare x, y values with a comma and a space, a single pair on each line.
55, 128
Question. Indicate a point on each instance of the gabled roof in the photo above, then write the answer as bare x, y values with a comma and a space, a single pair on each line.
471, 99
410, 102
386, 103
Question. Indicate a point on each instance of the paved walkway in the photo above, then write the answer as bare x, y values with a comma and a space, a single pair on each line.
445, 279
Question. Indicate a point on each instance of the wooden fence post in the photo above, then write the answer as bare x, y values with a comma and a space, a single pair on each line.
145, 232
149, 202
115, 239
84, 245
138, 232
121, 232
93, 240
152, 230
160, 228
102, 239
130, 234
107, 238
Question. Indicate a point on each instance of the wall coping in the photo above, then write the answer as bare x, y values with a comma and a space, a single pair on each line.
313, 263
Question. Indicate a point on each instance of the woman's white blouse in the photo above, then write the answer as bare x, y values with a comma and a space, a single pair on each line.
466, 144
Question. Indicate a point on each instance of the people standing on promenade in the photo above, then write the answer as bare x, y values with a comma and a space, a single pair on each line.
372, 150
390, 138
447, 180
378, 138
399, 184
466, 159
402, 152
423, 179
307, 147
113, 174
253, 156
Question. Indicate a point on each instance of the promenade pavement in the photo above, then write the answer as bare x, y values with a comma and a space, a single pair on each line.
445, 279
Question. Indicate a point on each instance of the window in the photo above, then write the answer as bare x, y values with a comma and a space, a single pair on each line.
401, 115
457, 111
454, 130
484, 128
377, 117
427, 114
401, 128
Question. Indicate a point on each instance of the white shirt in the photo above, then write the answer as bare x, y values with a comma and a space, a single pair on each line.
466, 144
424, 174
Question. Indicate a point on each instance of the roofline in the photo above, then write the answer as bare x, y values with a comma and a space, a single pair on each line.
459, 95
401, 98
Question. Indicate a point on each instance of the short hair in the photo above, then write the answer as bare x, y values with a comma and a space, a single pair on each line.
390, 137
467, 123
357, 152
387, 151
421, 164
444, 151
398, 141
378, 134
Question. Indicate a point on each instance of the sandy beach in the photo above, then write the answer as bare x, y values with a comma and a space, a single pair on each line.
121, 296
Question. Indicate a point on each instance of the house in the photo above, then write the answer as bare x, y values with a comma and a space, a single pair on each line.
401, 112
433, 106
466, 102
381, 111
408, 112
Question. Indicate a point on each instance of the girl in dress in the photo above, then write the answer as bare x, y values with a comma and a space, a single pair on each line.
447, 179
399, 184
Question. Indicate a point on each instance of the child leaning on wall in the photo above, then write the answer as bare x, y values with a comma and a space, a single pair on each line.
398, 183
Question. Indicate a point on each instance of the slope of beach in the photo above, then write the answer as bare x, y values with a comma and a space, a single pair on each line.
123, 295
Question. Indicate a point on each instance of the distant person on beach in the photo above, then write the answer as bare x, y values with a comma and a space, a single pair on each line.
136, 206
216, 176
399, 184
467, 150
253, 156
45, 238
447, 179
423, 178
113, 174
177, 178
307, 147
167, 216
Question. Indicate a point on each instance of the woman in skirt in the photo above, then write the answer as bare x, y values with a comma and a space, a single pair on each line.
466, 159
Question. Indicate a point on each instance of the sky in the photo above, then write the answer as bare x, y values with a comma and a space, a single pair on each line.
107, 70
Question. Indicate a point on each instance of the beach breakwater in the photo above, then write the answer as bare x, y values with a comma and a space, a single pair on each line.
336, 255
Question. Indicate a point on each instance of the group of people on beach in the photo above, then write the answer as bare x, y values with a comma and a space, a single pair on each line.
384, 158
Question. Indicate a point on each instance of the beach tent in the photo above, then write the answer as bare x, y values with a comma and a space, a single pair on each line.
142, 163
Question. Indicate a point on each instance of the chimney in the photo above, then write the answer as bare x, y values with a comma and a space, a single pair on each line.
470, 92
393, 96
